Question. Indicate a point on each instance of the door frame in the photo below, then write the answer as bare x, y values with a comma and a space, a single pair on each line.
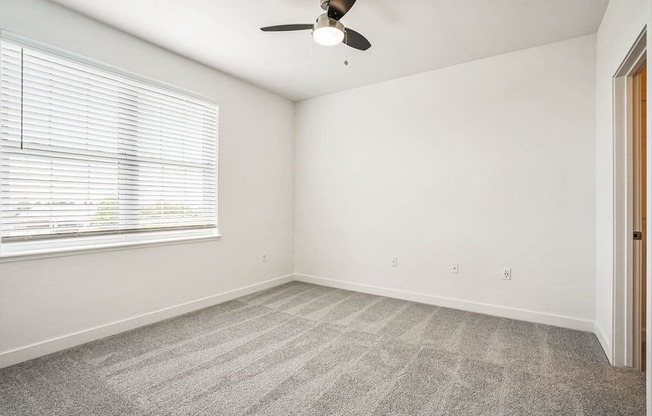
626, 346
638, 266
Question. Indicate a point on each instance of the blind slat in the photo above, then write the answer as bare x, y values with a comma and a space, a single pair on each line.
86, 151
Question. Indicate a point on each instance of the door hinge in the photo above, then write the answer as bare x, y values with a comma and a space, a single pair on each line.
638, 235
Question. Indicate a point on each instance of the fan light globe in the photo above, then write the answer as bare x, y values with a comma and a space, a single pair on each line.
328, 36
328, 32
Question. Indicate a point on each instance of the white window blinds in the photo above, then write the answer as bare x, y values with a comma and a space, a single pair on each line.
88, 151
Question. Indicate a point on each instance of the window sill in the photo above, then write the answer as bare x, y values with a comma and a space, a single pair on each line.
102, 248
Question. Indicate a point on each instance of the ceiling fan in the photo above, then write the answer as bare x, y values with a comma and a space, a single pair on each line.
328, 30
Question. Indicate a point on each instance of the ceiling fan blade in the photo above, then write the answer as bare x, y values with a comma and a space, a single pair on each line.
356, 40
286, 28
338, 8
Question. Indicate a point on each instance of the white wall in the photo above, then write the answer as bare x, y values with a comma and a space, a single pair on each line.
490, 164
622, 24
44, 299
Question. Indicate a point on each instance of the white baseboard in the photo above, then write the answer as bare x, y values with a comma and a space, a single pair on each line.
18, 355
39, 349
465, 305
604, 342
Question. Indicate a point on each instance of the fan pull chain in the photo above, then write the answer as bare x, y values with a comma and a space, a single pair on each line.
346, 49
312, 53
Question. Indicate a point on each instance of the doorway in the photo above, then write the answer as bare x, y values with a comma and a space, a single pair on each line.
630, 207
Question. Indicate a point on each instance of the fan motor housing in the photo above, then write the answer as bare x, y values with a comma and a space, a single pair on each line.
325, 21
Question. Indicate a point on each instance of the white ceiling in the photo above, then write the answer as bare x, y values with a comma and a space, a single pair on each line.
408, 36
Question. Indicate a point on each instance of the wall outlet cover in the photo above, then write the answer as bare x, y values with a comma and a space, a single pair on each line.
507, 273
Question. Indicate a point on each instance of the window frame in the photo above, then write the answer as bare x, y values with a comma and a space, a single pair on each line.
124, 240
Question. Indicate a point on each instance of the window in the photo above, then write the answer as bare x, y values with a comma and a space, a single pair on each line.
91, 156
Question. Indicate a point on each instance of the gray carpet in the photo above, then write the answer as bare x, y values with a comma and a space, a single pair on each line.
301, 349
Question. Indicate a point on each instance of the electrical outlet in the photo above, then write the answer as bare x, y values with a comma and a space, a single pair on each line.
455, 268
507, 273
263, 258
394, 261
